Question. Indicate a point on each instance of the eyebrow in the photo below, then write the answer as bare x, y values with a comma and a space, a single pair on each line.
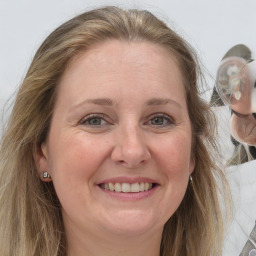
109, 102
99, 101
162, 101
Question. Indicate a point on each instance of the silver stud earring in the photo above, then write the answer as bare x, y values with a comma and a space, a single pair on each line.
45, 176
190, 178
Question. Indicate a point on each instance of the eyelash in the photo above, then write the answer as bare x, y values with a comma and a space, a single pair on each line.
166, 120
88, 118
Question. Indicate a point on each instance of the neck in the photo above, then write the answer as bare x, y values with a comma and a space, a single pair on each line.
100, 243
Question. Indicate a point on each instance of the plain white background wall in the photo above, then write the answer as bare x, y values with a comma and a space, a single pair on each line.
212, 27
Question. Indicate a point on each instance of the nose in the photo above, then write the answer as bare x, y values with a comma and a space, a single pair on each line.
130, 150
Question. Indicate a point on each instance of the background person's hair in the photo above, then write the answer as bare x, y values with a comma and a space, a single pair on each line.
30, 215
243, 153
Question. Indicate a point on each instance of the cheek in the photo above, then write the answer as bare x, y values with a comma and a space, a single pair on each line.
174, 163
74, 159
74, 162
175, 156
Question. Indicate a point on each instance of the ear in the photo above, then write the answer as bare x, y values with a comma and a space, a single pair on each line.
41, 161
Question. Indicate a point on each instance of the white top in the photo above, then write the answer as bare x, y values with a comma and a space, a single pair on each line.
243, 186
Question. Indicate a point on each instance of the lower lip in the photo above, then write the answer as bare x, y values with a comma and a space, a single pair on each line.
130, 196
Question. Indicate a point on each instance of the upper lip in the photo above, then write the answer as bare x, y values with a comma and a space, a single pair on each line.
129, 180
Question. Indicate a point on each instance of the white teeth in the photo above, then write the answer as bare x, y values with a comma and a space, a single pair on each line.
118, 187
111, 186
127, 187
135, 187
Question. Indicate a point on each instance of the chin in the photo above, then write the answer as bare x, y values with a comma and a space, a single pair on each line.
133, 222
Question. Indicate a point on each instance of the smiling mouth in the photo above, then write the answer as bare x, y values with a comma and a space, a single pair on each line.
127, 187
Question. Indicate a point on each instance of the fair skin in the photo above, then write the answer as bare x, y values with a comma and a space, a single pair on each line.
243, 129
120, 117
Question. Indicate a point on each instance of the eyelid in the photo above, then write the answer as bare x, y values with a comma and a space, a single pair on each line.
163, 115
91, 116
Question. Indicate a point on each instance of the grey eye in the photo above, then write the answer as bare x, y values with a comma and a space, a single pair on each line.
158, 120
94, 121
161, 120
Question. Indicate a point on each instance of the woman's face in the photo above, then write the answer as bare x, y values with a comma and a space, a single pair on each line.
119, 145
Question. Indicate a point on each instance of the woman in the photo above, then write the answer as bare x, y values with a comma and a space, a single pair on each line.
106, 133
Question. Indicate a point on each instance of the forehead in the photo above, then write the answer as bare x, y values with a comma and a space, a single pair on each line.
115, 52
132, 64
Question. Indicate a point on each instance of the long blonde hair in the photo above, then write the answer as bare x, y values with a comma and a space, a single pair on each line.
30, 215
